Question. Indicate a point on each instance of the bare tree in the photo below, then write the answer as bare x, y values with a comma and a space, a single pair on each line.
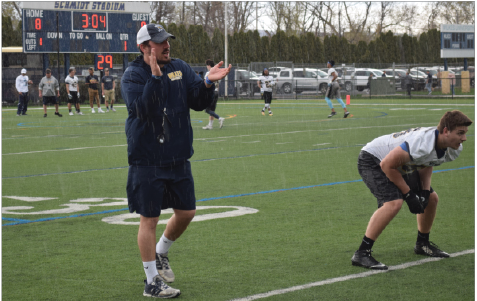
163, 12
358, 21
241, 15
458, 12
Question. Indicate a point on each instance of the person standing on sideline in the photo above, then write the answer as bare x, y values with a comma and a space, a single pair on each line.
384, 74
368, 85
92, 82
72, 89
266, 83
159, 92
47, 88
429, 82
397, 168
21, 84
211, 109
108, 86
334, 89
408, 82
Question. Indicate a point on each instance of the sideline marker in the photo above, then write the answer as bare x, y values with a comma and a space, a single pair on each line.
348, 99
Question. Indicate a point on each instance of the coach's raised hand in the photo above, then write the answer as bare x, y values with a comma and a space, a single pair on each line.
217, 73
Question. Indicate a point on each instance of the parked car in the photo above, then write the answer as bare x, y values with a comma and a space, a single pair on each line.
397, 76
273, 71
297, 80
344, 75
246, 81
423, 71
359, 78
417, 83
302, 79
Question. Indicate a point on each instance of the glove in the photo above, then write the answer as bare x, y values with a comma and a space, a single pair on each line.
414, 202
69, 96
78, 95
425, 198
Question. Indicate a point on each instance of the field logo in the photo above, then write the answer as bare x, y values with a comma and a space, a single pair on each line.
84, 204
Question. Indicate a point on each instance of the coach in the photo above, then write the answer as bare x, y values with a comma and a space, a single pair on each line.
159, 92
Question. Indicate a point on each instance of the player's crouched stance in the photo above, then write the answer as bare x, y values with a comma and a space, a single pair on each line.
398, 168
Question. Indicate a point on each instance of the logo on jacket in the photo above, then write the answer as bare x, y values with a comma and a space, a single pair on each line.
175, 75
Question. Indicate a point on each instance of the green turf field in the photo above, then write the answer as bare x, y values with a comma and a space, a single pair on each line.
293, 207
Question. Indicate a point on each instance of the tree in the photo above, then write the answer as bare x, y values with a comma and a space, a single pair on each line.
217, 46
163, 11
279, 46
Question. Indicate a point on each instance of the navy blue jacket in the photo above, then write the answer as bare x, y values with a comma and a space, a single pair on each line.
178, 90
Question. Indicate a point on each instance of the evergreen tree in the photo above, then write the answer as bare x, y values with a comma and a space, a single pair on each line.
279, 46
265, 55
217, 51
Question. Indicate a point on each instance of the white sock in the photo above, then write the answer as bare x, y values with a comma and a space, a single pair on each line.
163, 245
211, 122
150, 270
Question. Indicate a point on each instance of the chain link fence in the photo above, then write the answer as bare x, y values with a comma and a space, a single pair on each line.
293, 81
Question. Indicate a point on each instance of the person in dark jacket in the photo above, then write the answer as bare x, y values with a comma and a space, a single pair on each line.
408, 82
159, 91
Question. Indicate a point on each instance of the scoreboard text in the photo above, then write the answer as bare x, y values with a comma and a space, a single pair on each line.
81, 31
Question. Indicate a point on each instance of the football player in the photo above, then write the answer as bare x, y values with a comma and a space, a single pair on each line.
334, 89
397, 168
266, 83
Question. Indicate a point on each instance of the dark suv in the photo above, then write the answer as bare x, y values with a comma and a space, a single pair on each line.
417, 83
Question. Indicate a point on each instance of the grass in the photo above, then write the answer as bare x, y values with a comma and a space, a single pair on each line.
297, 168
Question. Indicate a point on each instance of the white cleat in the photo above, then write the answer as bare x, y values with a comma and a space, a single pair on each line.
114, 110
208, 127
92, 111
71, 113
100, 111
221, 121
80, 113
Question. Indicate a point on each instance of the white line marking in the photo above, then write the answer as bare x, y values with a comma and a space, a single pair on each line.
60, 150
321, 144
283, 142
349, 277
252, 142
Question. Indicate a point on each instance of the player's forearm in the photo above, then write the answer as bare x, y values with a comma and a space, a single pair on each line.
425, 175
395, 176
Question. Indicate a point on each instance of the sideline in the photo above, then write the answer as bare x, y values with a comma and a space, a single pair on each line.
349, 277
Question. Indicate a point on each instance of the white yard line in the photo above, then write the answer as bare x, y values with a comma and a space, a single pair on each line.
349, 277
60, 150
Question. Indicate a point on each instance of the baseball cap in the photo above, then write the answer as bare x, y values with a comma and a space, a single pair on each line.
152, 32
91, 68
48, 70
23, 71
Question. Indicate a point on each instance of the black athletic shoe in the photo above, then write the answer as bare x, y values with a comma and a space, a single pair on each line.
363, 258
346, 114
44, 115
58, 114
158, 289
429, 248
332, 114
24, 114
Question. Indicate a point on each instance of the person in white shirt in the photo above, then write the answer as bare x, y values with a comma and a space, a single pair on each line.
211, 109
21, 84
397, 168
72, 89
266, 83
334, 89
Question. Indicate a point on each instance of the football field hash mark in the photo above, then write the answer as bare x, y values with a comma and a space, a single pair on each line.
349, 277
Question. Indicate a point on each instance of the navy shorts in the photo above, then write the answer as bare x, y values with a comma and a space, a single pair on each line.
378, 183
151, 189
49, 99
213, 105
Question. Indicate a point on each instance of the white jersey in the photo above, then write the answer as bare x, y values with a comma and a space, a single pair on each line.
419, 142
72, 82
22, 83
267, 83
330, 75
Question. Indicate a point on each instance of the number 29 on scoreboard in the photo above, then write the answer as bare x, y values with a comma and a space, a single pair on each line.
102, 61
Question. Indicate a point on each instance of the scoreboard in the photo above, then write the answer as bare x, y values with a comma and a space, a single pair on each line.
82, 26
457, 40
